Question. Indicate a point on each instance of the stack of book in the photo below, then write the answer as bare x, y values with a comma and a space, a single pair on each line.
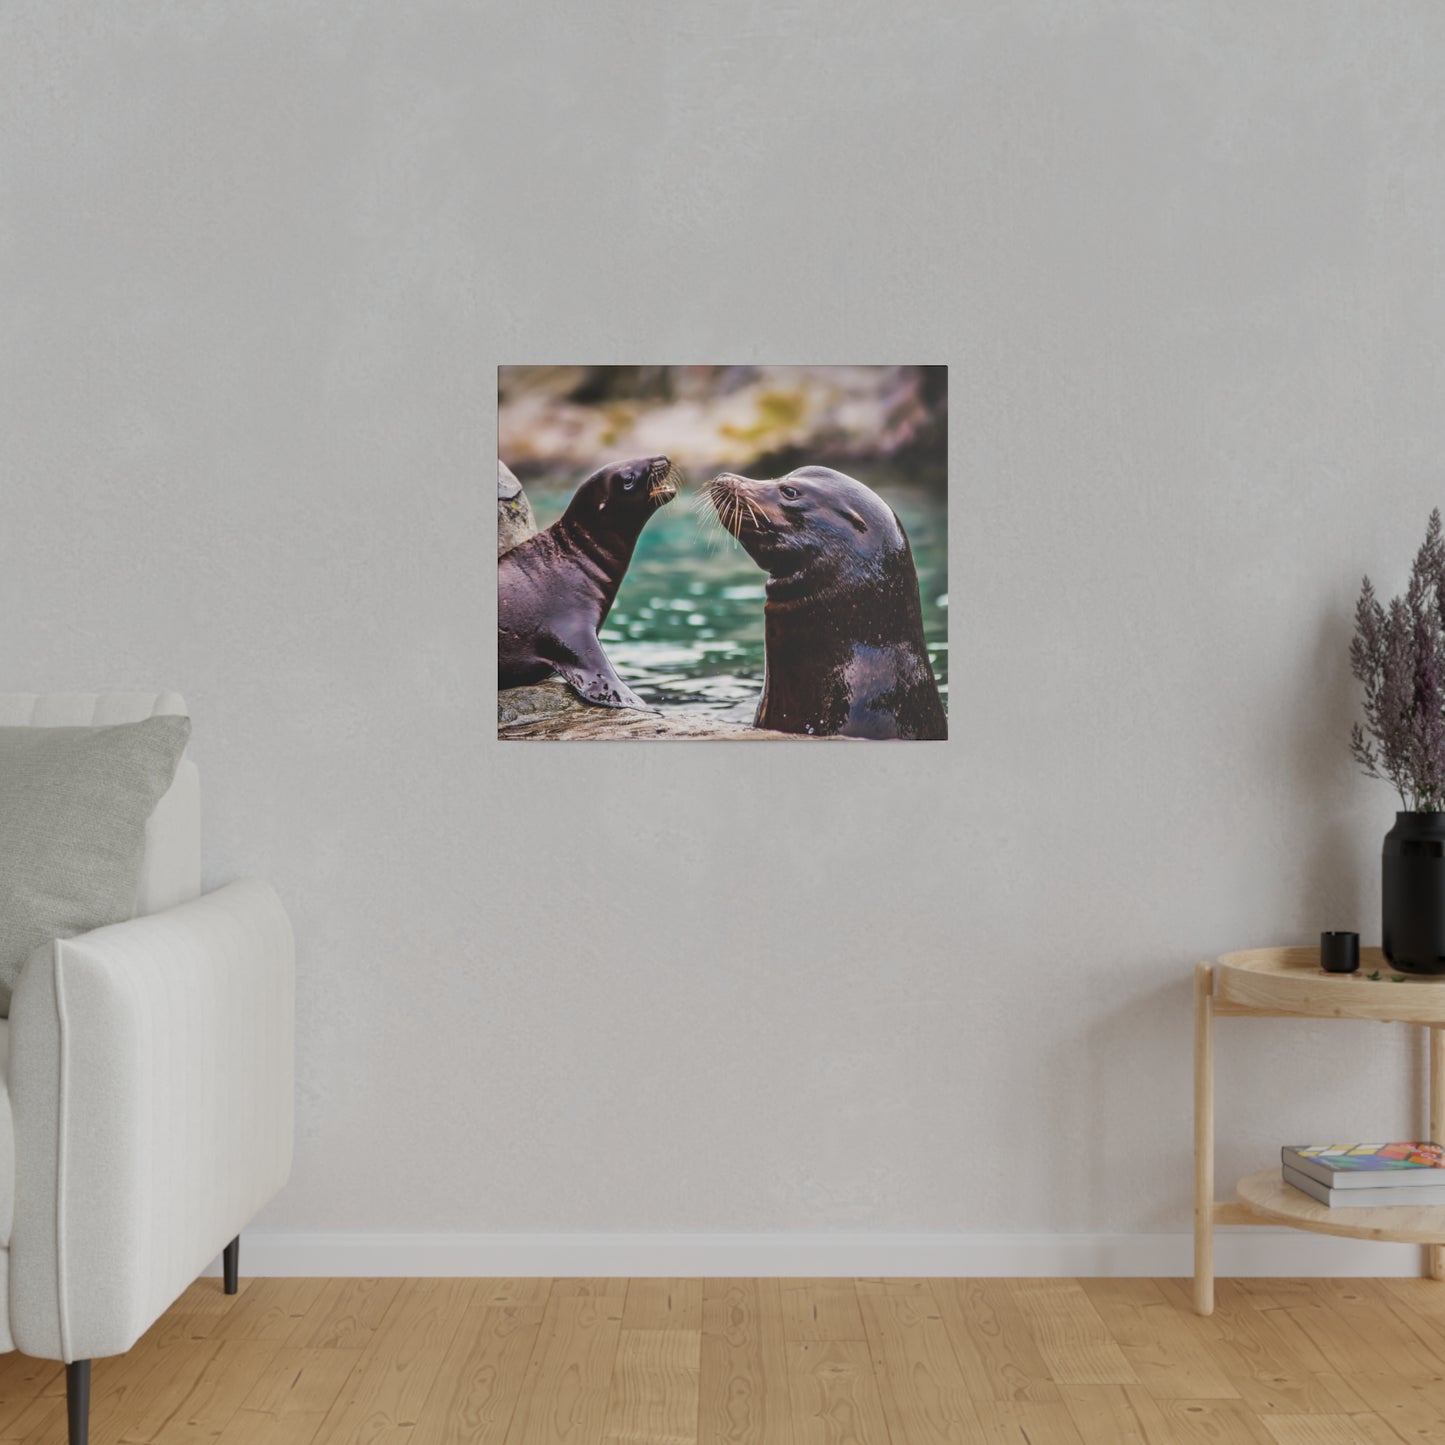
1367, 1176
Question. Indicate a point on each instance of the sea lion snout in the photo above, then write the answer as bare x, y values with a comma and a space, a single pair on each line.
662, 479
743, 508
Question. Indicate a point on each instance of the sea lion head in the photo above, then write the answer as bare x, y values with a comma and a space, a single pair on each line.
623, 496
814, 522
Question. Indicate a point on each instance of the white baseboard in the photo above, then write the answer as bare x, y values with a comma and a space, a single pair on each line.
1245, 1252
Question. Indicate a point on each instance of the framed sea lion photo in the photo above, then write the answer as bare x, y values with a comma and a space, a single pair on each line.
749, 553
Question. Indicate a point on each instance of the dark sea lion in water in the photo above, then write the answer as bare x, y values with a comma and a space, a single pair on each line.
555, 589
843, 625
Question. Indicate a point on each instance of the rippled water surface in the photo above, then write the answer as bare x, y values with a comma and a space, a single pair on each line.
686, 631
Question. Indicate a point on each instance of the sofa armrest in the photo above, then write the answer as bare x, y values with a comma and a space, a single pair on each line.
151, 1081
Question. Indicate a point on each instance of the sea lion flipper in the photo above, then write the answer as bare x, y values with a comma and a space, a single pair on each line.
594, 680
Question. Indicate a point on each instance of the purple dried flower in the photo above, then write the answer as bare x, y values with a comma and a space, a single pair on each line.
1398, 654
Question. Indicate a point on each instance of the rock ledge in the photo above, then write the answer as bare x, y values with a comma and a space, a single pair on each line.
549, 711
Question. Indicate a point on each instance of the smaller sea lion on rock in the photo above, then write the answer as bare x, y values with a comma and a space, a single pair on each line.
555, 589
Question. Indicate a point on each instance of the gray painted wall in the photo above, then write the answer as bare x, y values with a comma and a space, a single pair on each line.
260, 262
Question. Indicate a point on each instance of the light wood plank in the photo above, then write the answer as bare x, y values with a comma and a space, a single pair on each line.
654, 1388
290, 1399
513, 1291
1107, 1413
821, 1309
996, 1351
1028, 1422
1205, 1422
1334, 1333
834, 1394
570, 1376
206, 1297
230, 1375
1330, 1430
43, 1421
23, 1380
347, 1316
925, 1397
1074, 1342
1165, 1348
919, 1288
177, 1368
480, 1381
1267, 1307
743, 1375
1268, 1375
1409, 1345
663, 1304
272, 1309
598, 1288
398, 1368
1414, 1408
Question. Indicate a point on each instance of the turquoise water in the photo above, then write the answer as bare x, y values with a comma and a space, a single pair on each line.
686, 631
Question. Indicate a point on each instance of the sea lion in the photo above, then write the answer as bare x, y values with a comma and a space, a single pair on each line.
843, 628
555, 589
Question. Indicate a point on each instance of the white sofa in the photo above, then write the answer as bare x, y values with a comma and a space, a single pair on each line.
148, 1078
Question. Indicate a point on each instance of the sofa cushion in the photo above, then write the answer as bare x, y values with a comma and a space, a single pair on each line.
74, 802
171, 872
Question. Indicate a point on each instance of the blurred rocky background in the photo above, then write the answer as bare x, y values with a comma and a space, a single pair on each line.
709, 418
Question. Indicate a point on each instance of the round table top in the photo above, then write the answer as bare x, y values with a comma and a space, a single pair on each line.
1291, 981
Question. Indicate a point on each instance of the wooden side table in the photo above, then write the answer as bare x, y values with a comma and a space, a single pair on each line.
1267, 983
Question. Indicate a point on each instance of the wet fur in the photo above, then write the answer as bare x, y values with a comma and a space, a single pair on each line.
554, 590
843, 626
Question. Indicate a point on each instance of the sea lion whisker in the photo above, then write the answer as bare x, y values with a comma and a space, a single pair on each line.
709, 528
711, 520
704, 508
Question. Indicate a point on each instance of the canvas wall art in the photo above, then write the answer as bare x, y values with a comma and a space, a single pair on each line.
742, 552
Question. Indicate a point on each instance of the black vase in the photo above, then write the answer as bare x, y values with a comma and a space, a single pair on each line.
1414, 893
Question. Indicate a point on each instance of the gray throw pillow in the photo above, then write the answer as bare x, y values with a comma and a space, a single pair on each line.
74, 803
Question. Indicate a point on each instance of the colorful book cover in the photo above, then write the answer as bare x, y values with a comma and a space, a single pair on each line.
1365, 1158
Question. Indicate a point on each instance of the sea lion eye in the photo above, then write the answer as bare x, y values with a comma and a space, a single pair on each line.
791, 493
628, 483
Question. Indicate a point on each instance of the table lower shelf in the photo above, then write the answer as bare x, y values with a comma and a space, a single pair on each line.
1268, 1197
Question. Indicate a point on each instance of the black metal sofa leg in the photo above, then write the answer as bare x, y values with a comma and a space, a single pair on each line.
231, 1264
77, 1401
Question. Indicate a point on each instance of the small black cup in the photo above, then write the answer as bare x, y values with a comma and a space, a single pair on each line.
1340, 952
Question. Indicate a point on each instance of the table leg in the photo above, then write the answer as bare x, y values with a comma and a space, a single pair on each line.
1435, 1253
1204, 1139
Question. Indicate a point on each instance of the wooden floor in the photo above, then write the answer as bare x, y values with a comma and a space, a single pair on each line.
765, 1362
